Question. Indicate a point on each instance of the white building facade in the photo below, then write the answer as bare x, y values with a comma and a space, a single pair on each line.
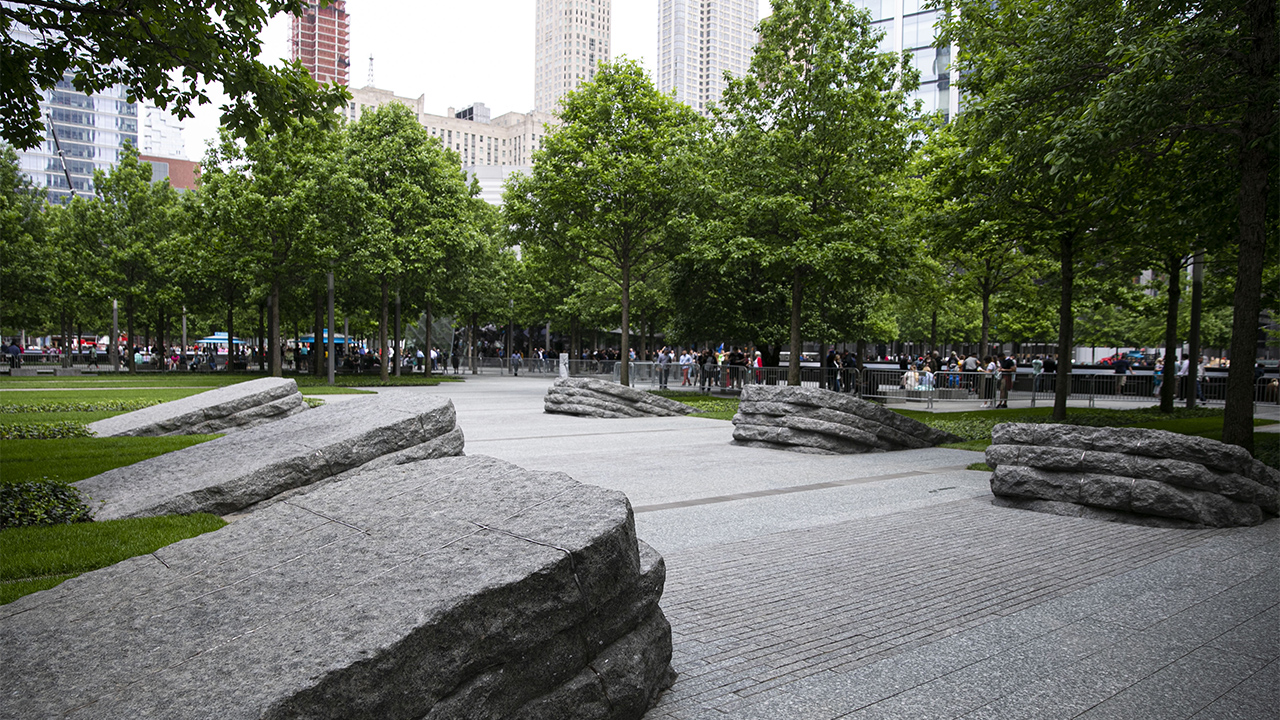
571, 39
909, 27
488, 149
698, 41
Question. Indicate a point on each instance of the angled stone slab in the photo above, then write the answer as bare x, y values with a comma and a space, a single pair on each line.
1130, 475
231, 473
821, 421
223, 409
449, 588
589, 397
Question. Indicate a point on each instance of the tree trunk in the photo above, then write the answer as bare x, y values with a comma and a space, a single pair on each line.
382, 331
1168, 387
1257, 158
1193, 331
797, 294
426, 338
262, 338
1066, 327
985, 347
625, 353
471, 340
128, 329
933, 332
274, 355
317, 336
231, 334
399, 360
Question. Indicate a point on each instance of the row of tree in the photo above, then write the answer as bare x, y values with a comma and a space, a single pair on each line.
378, 203
1099, 141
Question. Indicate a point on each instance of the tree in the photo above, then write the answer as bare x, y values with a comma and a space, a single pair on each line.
1116, 80
274, 212
131, 219
160, 50
609, 181
416, 198
812, 139
24, 263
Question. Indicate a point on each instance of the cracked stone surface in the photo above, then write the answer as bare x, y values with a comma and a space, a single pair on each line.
459, 587
221, 410
812, 420
589, 397
231, 473
1151, 477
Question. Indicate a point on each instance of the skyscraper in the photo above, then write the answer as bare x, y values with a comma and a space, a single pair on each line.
698, 40
572, 39
320, 40
909, 26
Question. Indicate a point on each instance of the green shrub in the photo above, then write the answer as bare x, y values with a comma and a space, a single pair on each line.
41, 502
99, 406
44, 430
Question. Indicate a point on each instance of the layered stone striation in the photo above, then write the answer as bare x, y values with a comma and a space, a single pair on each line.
232, 473
461, 587
589, 397
813, 420
224, 409
1147, 477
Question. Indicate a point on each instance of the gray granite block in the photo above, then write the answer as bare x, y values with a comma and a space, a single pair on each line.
1120, 474
590, 397
227, 408
814, 420
231, 473
449, 588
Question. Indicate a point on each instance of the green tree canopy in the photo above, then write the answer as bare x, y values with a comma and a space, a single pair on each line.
609, 182
811, 141
160, 50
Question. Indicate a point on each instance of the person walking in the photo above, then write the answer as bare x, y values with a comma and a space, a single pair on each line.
1008, 370
1184, 369
664, 367
1122, 371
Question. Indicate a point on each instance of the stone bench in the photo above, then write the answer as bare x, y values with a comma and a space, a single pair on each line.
223, 409
234, 472
589, 397
819, 421
450, 588
1134, 475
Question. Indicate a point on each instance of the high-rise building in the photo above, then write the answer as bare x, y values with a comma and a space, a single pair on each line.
698, 40
572, 39
91, 131
320, 40
908, 26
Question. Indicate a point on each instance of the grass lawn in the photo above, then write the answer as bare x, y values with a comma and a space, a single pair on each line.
38, 558
710, 406
75, 459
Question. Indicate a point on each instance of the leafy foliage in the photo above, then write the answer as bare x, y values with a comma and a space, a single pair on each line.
160, 50
44, 430
99, 406
41, 502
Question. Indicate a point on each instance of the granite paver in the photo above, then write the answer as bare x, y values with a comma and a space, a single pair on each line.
891, 587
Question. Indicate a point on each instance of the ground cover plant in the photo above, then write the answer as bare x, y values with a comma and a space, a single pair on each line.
38, 558
710, 406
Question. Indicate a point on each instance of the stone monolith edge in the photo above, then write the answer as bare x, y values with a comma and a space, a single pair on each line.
589, 397
813, 420
221, 410
460, 587
1134, 475
231, 473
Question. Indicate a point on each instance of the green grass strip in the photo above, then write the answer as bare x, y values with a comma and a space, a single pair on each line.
79, 458
37, 558
709, 406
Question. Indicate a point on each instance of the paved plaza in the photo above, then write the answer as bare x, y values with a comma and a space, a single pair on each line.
889, 586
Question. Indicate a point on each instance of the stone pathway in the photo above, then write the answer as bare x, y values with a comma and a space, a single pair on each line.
888, 586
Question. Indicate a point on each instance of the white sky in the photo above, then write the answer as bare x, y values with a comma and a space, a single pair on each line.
455, 52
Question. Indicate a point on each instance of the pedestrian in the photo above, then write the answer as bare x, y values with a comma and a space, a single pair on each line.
1121, 366
1008, 371
515, 363
986, 382
1184, 369
664, 367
